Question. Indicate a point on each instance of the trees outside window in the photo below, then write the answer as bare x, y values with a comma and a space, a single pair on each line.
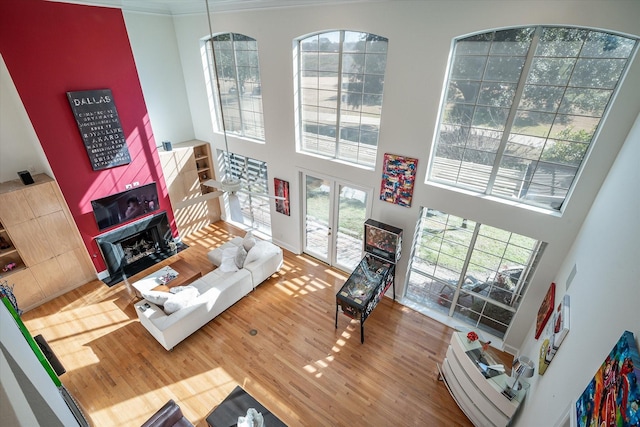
470, 271
237, 78
340, 84
522, 107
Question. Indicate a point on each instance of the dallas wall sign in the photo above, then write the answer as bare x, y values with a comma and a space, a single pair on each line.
99, 125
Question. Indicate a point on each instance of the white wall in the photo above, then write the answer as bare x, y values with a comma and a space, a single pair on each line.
605, 292
19, 145
155, 51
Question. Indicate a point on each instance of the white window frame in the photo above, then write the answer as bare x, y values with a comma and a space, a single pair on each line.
531, 179
355, 145
242, 110
465, 296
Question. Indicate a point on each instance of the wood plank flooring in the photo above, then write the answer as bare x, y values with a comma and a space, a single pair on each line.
298, 365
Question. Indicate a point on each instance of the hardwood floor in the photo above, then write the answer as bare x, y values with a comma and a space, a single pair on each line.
298, 365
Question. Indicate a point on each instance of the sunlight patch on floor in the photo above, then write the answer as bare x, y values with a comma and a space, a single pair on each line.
336, 274
78, 359
284, 287
308, 260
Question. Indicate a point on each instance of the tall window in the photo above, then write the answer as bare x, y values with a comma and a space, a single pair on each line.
470, 271
340, 82
238, 79
252, 199
522, 107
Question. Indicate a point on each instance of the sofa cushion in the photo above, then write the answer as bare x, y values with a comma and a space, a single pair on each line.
156, 297
217, 278
241, 255
181, 299
248, 242
228, 263
215, 255
201, 285
260, 249
176, 289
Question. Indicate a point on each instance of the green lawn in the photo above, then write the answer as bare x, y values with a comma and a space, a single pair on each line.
351, 218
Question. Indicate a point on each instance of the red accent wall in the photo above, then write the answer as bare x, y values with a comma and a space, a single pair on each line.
51, 48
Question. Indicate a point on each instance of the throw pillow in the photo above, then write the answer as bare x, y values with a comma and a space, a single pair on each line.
181, 299
256, 252
240, 257
248, 242
156, 297
228, 263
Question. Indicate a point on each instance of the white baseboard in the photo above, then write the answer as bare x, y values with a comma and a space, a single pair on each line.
285, 246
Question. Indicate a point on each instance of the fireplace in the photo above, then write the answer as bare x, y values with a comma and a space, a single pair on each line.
139, 246
134, 247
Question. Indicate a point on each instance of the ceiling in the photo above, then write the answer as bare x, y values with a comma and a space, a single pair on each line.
184, 7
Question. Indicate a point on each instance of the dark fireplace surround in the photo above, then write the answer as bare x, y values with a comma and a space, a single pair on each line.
136, 246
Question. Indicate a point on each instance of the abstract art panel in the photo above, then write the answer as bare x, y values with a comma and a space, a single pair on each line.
398, 179
613, 395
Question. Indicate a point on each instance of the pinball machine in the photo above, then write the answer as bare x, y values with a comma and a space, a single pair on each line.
374, 274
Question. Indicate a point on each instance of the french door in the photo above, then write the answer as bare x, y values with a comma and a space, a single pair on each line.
334, 216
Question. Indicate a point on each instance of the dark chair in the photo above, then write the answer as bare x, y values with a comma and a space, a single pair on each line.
170, 415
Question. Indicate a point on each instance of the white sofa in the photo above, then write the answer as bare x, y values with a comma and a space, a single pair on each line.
262, 260
172, 317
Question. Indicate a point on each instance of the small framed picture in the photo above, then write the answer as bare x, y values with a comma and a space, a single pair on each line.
546, 310
282, 192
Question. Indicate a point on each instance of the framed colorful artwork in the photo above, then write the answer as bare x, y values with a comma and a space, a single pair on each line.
546, 309
282, 191
398, 179
611, 397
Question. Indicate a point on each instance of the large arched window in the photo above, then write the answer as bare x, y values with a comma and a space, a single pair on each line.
522, 107
339, 94
237, 77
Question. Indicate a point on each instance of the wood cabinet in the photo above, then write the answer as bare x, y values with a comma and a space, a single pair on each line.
10, 259
45, 243
476, 389
185, 168
33, 243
